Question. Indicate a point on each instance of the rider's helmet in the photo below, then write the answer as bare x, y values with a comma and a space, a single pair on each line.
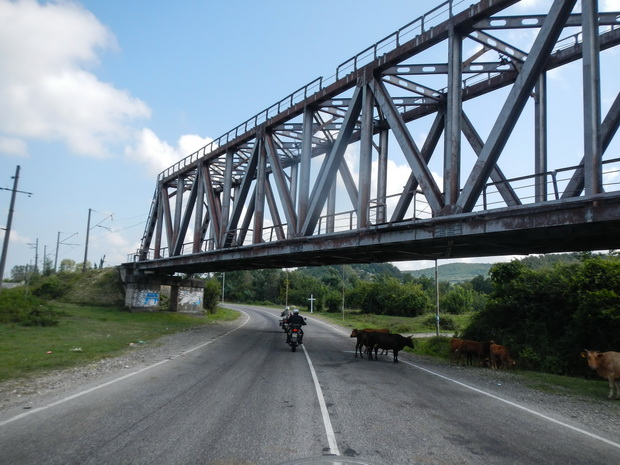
295, 311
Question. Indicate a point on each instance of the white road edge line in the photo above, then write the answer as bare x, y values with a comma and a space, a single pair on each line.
533, 412
329, 430
116, 380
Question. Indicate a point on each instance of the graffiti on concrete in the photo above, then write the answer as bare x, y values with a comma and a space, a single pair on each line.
190, 297
151, 299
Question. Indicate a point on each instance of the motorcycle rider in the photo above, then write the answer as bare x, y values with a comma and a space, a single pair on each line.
284, 316
296, 318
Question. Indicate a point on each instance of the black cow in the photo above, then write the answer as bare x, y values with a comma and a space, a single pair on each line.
393, 342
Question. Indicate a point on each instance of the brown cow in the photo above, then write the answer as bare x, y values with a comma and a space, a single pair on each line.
362, 338
607, 365
475, 349
500, 357
455, 347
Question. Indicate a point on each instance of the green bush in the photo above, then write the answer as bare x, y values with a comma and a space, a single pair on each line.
548, 316
333, 302
435, 346
212, 295
445, 323
387, 296
16, 306
51, 288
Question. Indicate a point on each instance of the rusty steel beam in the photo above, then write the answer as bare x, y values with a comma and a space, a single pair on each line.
272, 183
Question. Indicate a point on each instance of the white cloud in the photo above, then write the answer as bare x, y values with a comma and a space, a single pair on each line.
609, 5
47, 91
16, 238
158, 155
13, 146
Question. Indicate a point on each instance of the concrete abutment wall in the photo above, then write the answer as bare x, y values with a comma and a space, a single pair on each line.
143, 293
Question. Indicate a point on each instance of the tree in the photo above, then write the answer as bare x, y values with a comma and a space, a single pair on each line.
481, 284
458, 299
67, 265
548, 316
48, 267
388, 296
212, 293
19, 273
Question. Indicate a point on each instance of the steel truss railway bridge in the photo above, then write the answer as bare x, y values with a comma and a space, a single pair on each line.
455, 136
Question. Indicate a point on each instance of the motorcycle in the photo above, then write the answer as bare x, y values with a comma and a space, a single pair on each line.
294, 336
284, 324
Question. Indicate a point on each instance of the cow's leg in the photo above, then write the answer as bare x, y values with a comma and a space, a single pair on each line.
612, 383
610, 378
395, 356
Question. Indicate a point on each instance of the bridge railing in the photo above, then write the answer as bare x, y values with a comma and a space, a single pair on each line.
524, 186
555, 181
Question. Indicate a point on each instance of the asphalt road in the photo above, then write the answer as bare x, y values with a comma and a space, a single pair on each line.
242, 397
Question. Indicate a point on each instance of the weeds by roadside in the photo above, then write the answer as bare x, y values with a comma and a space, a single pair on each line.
85, 334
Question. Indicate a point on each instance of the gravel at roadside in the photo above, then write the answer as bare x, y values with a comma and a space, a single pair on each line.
600, 414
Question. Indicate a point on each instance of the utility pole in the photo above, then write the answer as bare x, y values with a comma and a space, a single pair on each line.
86, 248
7, 230
286, 298
35, 246
58, 244
343, 282
436, 298
90, 210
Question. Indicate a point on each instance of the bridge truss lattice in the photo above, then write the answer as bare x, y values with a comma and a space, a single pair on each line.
440, 140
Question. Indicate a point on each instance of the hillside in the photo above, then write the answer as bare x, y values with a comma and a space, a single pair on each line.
453, 272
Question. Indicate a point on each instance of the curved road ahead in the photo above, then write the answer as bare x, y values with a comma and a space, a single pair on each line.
242, 397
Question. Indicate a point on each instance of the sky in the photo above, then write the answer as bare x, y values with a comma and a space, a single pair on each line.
98, 97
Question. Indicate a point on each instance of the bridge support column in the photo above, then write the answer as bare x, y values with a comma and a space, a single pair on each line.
143, 293
142, 296
186, 296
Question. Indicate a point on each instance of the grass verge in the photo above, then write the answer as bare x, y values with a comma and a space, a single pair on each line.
396, 324
86, 334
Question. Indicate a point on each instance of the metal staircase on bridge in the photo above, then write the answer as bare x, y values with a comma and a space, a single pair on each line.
280, 190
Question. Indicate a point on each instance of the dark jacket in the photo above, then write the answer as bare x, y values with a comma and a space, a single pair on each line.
296, 319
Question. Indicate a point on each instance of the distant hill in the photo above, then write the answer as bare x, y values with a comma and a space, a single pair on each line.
459, 272
453, 272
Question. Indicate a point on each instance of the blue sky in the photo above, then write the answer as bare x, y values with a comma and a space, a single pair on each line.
98, 97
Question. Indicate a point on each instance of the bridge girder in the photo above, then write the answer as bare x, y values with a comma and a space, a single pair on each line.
352, 133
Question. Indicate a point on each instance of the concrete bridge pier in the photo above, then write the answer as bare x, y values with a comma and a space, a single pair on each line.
143, 293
